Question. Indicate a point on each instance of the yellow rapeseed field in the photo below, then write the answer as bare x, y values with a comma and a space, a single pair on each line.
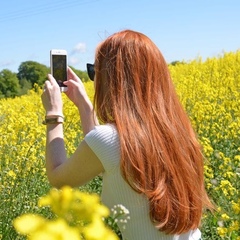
209, 91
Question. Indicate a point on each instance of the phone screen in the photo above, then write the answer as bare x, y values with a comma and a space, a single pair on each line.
59, 63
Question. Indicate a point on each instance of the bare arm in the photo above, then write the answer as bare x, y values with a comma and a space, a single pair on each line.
80, 168
83, 165
77, 94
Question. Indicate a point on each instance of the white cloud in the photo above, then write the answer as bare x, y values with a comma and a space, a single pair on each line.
73, 61
79, 48
7, 63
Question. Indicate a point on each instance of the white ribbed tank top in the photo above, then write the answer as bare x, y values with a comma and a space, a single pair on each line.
104, 142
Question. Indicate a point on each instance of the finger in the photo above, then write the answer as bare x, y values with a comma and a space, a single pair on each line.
47, 84
70, 82
72, 75
52, 79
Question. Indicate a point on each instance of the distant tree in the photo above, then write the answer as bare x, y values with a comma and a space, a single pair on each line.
32, 72
177, 62
9, 84
174, 63
25, 86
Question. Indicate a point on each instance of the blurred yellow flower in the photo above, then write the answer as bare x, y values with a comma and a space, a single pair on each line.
28, 223
78, 215
38, 228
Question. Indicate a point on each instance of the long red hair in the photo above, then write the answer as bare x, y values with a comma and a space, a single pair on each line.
160, 154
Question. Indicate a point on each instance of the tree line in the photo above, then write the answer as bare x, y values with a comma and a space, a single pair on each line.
29, 73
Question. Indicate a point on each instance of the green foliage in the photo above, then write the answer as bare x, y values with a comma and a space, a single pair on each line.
25, 86
33, 72
9, 85
29, 73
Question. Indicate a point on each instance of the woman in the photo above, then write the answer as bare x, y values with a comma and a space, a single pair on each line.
146, 148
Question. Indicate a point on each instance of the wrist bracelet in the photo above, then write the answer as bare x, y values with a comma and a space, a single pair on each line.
53, 119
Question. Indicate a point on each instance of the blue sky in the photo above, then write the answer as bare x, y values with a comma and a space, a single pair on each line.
182, 29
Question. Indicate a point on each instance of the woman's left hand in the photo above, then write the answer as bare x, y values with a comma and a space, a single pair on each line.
52, 98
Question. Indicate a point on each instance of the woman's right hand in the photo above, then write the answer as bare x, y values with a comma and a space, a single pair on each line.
77, 94
76, 91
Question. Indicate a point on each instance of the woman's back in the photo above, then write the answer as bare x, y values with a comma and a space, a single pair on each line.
104, 141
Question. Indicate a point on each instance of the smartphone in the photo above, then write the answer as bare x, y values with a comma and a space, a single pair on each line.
58, 60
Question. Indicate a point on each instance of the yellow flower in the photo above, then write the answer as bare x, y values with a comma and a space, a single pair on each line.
236, 207
237, 157
234, 226
56, 230
37, 228
222, 231
28, 223
77, 213
12, 174
225, 216
59, 201
96, 230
